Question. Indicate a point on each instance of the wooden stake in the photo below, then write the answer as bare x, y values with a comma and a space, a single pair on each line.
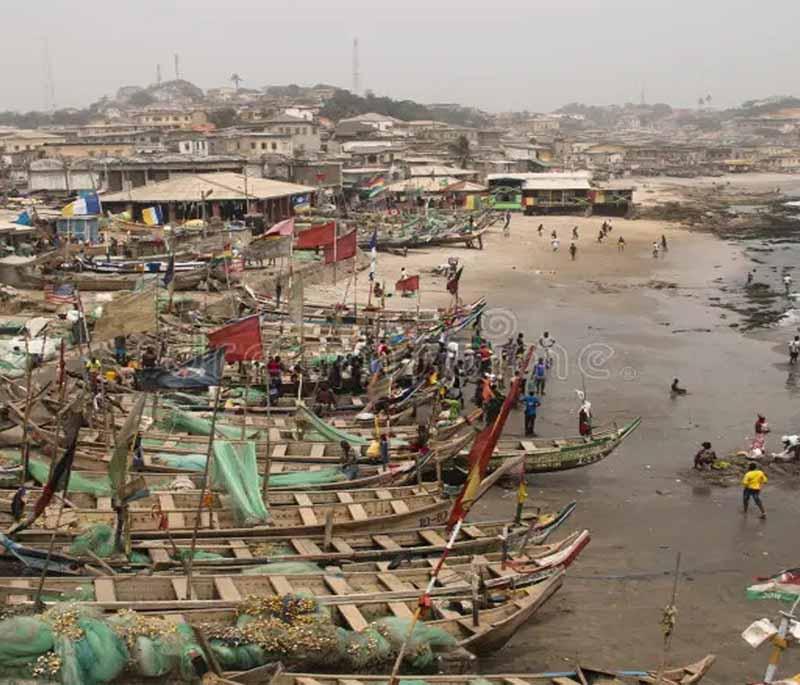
670, 607
201, 502
26, 447
328, 530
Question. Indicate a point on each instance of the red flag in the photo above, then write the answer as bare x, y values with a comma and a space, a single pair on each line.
482, 450
407, 284
316, 236
241, 340
282, 228
345, 248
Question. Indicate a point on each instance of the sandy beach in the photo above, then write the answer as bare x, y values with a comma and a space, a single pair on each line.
627, 324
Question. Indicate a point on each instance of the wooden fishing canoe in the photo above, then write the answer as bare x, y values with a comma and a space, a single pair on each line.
416, 511
495, 625
189, 499
159, 476
396, 547
686, 675
166, 592
545, 455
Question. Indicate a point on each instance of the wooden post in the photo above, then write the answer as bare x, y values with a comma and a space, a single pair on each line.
200, 503
328, 530
28, 401
267, 467
475, 595
246, 398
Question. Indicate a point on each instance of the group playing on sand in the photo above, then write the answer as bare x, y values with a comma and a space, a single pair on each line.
659, 246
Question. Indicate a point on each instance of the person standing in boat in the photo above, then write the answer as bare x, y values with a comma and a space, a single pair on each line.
349, 460
585, 419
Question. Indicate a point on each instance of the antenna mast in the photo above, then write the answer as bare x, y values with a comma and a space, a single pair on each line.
356, 75
177, 67
49, 83
158, 74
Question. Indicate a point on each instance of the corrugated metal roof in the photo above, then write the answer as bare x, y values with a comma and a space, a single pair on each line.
224, 186
423, 184
436, 170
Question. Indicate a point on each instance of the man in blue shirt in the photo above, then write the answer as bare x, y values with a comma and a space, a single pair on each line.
531, 404
539, 376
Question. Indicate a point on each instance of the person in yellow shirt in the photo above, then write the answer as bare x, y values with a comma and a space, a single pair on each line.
752, 482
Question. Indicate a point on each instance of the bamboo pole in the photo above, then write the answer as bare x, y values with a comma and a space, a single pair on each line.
26, 451
418, 612
201, 502
669, 621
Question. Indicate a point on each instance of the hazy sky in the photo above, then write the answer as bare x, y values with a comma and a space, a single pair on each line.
497, 55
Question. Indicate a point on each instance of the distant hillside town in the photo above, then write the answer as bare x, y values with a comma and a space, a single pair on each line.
330, 138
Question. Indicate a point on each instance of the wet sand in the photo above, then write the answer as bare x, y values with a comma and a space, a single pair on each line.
617, 318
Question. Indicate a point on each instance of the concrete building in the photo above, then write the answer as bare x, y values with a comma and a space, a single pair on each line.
250, 143
222, 195
26, 140
117, 174
171, 118
305, 134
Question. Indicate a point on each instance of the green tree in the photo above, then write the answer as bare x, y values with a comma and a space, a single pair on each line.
141, 99
462, 150
222, 118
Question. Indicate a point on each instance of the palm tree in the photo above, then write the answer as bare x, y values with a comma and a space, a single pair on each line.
461, 150
236, 80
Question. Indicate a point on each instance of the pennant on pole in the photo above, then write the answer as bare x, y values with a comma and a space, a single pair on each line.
241, 340
343, 248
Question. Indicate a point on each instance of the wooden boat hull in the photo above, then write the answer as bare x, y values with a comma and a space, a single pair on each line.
366, 547
687, 675
572, 454
166, 592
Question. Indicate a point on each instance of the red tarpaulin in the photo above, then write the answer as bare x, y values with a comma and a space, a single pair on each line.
407, 284
241, 340
316, 236
345, 248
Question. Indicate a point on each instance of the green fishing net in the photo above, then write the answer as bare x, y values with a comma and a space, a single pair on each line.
98, 486
98, 539
234, 469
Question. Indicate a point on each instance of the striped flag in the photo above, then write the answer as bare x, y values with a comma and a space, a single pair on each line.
60, 293
152, 216
87, 204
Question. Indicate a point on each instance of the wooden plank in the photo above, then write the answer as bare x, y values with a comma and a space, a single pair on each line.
317, 450
528, 446
158, 555
473, 532
393, 583
179, 586
240, 550
432, 538
386, 542
18, 599
305, 680
399, 506
226, 589
308, 516
358, 512
303, 500
104, 504
351, 613
383, 494
341, 546
344, 497
280, 449
104, 590
275, 436
281, 585
175, 519
305, 547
